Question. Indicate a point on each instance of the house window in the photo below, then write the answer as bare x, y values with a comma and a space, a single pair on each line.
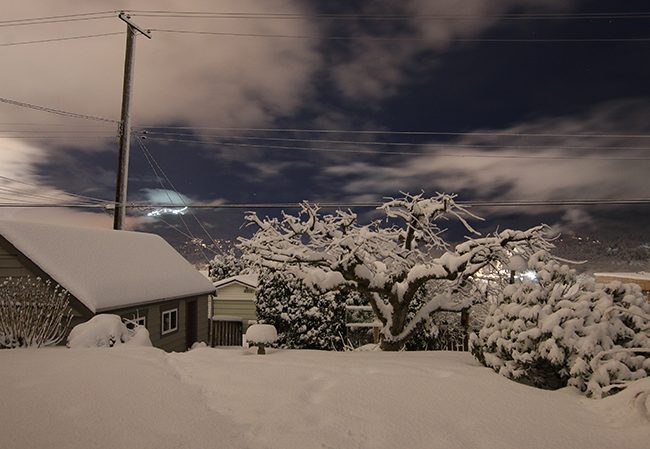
169, 321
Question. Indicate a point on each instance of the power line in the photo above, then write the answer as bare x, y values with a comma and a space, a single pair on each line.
56, 111
390, 17
409, 133
59, 39
333, 205
43, 22
84, 197
62, 16
153, 134
221, 144
401, 38
151, 159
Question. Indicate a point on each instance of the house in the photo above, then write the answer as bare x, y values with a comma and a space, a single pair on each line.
132, 274
232, 310
642, 279
235, 298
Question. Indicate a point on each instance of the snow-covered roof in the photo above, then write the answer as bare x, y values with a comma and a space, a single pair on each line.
249, 280
107, 269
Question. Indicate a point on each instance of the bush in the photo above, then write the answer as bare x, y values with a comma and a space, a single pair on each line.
33, 313
226, 265
107, 331
554, 331
304, 318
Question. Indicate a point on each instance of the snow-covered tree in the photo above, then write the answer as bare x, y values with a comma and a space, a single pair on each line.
554, 331
303, 317
33, 313
387, 262
226, 265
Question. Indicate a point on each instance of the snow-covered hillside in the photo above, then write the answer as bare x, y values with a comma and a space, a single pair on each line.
145, 398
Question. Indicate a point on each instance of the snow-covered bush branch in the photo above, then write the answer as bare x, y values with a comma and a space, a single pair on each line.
227, 264
33, 313
107, 331
303, 317
386, 263
555, 331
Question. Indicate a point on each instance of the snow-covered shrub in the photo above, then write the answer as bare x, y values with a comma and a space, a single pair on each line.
33, 313
107, 330
226, 265
387, 260
304, 318
555, 331
445, 330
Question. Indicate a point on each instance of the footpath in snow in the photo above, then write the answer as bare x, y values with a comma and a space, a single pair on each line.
217, 398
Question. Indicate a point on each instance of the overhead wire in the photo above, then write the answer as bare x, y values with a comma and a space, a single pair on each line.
389, 132
153, 134
23, 104
333, 205
223, 144
59, 39
61, 20
76, 195
145, 148
153, 164
400, 38
60, 16
390, 17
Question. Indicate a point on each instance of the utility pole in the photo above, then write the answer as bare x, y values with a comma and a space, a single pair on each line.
125, 125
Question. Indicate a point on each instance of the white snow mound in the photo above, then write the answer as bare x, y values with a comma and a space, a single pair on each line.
261, 333
106, 330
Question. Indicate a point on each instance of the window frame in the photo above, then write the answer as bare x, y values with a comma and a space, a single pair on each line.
170, 311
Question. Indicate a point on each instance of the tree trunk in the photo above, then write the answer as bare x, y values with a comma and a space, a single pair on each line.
391, 345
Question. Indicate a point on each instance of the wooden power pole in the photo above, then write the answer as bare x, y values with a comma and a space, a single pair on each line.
125, 125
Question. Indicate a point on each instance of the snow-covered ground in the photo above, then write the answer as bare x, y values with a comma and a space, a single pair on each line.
137, 397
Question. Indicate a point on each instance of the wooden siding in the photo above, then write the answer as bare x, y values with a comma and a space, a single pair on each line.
235, 292
201, 320
177, 340
244, 309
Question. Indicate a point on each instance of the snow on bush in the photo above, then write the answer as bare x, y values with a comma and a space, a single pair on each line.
303, 317
386, 261
33, 313
227, 265
106, 330
555, 331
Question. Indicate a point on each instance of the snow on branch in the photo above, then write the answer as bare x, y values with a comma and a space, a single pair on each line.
33, 313
385, 261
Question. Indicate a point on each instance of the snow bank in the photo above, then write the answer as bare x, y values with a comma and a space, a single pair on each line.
56, 398
106, 330
415, 400
206, 398
139, 336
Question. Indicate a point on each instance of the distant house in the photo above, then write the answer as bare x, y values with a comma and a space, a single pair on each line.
235, 298
642, 279
132, 274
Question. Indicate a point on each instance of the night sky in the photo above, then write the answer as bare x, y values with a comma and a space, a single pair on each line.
539, 100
